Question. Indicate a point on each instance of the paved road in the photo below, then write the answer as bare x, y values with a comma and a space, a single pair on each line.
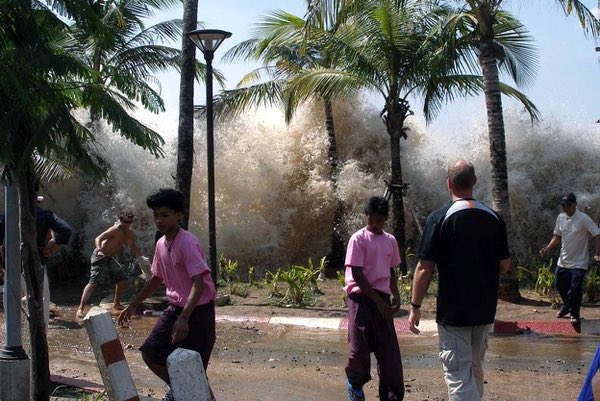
275, 362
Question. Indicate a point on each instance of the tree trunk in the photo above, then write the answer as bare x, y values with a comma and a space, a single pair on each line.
394, 116
397, 189
509, 285
185, 133
33, 273
335, 259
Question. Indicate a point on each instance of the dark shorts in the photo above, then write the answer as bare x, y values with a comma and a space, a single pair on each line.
201, 336
105, 268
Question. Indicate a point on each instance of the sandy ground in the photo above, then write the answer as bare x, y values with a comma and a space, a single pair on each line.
274, 363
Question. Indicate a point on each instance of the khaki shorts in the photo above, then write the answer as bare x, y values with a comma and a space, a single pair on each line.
105, 268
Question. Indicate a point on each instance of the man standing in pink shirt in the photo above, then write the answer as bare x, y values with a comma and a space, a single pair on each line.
371, 260
179, 263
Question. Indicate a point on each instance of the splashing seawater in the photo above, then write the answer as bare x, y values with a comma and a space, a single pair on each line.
274, 201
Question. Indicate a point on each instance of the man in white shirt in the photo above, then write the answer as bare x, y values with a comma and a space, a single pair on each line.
572, 230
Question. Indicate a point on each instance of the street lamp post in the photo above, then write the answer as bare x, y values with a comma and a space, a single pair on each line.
14, 362
208, 40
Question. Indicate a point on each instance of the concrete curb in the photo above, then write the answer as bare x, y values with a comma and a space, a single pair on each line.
503, 327
587, 326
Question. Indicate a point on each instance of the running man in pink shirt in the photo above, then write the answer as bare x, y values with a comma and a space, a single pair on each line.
179, 263
371, 262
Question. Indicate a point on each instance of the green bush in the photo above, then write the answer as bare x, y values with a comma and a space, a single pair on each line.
591, 287
405, 287
272, 281
542, 276
320, 272
299, 280
301, 283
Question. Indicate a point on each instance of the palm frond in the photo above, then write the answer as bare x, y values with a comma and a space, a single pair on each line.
231, 103
52, 169
327, 83
520, 55
257, 75
445, 89
103, 102
588, 21
158, 33
531, 108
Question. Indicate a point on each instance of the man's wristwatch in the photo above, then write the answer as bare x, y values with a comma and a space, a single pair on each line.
417, 306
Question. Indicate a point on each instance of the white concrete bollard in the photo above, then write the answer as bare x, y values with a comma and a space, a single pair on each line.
110, 356
187, 375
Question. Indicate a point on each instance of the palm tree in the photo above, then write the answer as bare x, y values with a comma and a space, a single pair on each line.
483, 25
281, 45
185, 131
393, 52
41, 82
123, 54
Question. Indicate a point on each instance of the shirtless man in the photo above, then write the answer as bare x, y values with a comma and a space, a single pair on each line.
104, 265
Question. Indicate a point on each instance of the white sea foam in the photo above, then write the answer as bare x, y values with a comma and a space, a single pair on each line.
274, 202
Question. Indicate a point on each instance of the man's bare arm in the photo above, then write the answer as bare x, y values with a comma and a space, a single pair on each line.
423, 276
553, 242
106, 235
504, 265
181, 327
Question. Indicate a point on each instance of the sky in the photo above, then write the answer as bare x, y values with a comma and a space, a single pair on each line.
568, 78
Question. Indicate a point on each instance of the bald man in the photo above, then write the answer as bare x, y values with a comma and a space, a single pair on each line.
466, 242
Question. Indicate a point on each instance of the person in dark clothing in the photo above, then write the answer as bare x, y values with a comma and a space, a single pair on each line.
51, 232
466, 241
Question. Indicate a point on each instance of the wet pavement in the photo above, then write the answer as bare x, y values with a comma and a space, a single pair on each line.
270, 362
276, 362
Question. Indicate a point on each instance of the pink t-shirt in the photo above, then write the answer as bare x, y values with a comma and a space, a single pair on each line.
176, 262
375, 254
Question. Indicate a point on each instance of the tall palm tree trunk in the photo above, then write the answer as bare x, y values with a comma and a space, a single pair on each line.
394, 116
495, 119
33, 273
335, 259
397, 190
185, 133
509, 285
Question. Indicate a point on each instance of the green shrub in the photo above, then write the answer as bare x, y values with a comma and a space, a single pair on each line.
542, 276
231, 268
299, 280
319, 273
272, 281
591, 287
405, 287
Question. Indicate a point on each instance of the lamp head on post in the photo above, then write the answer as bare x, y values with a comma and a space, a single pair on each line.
208, 40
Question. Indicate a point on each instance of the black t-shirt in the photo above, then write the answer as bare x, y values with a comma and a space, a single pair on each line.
466, 239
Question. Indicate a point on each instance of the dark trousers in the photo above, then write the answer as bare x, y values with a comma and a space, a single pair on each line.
369, 332
569, 283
